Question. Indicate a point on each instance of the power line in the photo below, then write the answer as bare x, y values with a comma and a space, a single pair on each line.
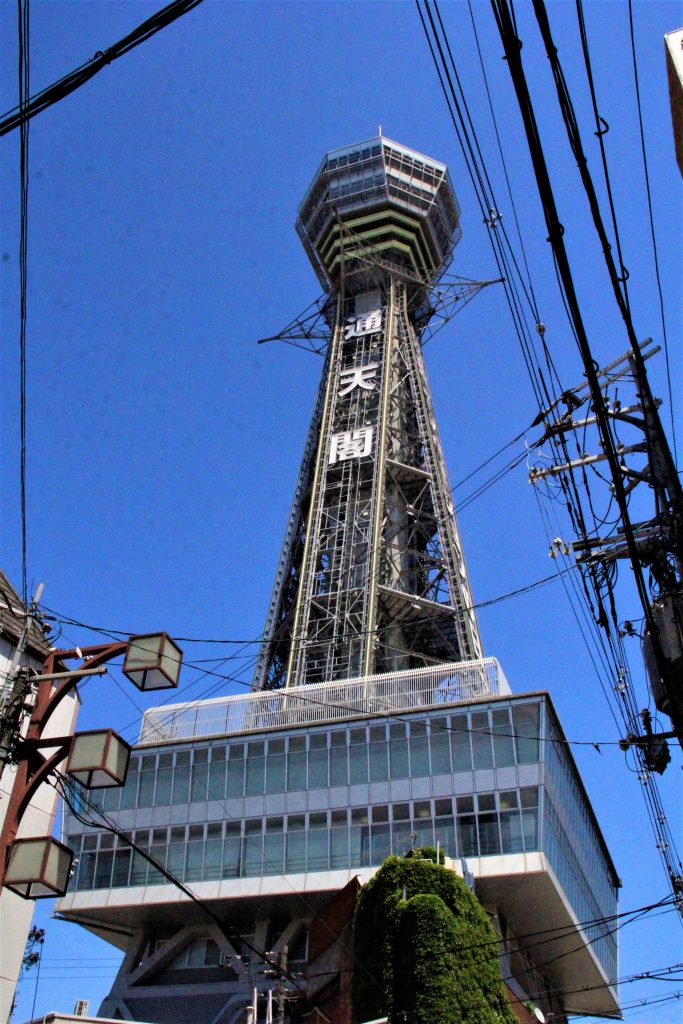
652, 222
55, 616
18, 116
24, 92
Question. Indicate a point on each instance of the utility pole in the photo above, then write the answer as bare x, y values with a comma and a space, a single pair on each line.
658, 540
16, 687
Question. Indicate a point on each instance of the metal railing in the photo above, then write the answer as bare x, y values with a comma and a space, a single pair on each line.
408, 690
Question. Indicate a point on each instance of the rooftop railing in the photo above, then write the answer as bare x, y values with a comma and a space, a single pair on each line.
408, 690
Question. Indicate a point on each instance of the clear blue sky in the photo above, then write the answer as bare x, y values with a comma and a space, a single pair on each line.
163, 444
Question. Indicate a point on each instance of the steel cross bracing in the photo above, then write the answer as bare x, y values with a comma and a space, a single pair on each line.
372, 576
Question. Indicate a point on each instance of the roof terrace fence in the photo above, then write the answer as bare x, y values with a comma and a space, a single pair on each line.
408, 690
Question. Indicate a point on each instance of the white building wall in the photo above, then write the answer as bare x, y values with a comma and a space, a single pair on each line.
16, 913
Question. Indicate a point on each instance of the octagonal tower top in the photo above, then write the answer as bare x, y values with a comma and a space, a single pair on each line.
380, 197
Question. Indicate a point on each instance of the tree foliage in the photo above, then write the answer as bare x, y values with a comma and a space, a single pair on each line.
424, 950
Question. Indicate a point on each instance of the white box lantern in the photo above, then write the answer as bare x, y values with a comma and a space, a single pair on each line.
38, 868
98, 759
153, 661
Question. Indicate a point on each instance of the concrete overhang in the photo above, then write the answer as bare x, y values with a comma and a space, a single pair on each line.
521, 887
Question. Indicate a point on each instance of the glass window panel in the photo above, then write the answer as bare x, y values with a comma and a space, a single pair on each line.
424, 832
381, 843
444, 834
175, 861
511, 832
181, 784
482, 751
317, 819
486, 801
86, 869
217, 776
379, 761
400, 812
158, 850
439, 743
443, 807
122, 859
526, 723
530, 829
398, 757
273, 853
529, 796
467, 836
111, 798
422, 809
460, 744
200, 776
359, 816
195, 861
508, 799
275, 773
339, 763
358, 762
129, 793
317, 850
213, 855
231, 856
256, 770
401, 837
296, 851
196, 952
317, 740
339, 847
296, 769
503, 745
360, 845
164, 786
419, 753
380, 813
235, 781
339, 817
317, 767
105, 861
253, 854
489, 835
212, 956
138, 871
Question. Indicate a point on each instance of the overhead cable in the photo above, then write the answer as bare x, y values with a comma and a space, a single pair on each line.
75, 79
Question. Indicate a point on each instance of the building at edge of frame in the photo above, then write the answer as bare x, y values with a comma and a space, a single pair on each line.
375, 722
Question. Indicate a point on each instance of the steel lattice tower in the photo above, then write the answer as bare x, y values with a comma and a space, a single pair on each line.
372, 576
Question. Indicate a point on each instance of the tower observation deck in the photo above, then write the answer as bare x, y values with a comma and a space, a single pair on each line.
372, 576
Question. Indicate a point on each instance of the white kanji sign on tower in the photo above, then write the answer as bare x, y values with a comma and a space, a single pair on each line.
350, 444
368, 323
358, 377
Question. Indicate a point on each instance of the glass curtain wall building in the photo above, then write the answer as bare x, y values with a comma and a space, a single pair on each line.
375, 723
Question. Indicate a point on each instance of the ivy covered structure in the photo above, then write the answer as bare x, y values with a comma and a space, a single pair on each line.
375, 722
424, 949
